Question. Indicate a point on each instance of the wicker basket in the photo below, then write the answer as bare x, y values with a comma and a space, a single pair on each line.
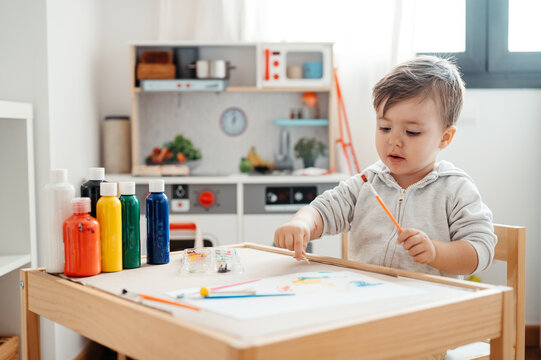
156, 65
9, 347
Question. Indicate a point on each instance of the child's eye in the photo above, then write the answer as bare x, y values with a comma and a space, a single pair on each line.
413, 133
384, 129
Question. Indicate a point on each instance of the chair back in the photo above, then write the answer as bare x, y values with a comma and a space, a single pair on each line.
511, 248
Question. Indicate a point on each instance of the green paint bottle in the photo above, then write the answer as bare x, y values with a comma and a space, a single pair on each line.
131, 243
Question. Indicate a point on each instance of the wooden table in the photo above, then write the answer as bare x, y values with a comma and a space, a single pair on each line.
450, 313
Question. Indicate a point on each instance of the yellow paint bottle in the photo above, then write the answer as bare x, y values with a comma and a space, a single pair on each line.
109, 213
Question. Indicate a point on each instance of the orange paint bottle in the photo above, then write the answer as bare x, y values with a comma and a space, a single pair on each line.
82, 245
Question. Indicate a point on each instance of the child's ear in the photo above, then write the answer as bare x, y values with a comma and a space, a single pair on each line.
448, 136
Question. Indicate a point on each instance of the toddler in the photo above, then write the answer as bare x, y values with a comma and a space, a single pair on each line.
447, 229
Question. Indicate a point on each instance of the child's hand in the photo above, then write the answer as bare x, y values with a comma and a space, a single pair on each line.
418, 244
293, 235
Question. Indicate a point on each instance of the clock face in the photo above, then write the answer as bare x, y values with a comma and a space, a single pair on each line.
233, 121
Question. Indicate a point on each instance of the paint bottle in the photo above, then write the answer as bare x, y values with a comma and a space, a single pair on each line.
82, 244
91, 188
59, 194
157, 213
131, 244
110, 218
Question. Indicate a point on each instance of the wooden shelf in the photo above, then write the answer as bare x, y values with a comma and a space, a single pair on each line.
301, 122
281, 89
236, 89
9, 263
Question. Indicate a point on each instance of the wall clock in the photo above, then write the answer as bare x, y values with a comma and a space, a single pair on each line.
233, 121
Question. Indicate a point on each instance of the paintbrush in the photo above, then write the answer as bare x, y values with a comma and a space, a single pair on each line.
181, 295
165, 301
206, 291
381, 202
244, 296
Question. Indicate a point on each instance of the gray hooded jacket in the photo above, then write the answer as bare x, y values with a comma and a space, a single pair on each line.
445, 204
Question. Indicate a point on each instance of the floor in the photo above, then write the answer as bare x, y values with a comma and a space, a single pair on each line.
532, 353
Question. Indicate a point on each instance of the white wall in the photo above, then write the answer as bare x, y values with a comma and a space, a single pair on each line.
115, 31
23, 77
49, 52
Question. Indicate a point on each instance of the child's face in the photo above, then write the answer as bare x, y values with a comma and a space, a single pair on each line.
409, 138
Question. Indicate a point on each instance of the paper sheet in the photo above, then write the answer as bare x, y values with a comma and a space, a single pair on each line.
313, 290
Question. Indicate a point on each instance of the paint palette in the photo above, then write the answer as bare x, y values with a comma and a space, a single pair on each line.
227, 260
211, 260
197, 261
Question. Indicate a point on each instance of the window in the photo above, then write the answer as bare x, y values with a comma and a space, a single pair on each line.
502, 44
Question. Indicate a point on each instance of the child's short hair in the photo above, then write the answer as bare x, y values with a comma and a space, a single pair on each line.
426, 76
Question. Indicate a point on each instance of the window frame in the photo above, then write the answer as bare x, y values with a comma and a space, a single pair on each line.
486, 61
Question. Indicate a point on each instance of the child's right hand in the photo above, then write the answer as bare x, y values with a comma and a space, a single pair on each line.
294, 235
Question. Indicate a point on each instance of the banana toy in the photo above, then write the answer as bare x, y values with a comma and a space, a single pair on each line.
256, 160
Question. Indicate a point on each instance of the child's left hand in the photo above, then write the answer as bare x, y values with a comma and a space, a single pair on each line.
418, 245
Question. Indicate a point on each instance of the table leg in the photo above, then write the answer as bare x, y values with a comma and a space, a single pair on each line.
30, 336
502, 348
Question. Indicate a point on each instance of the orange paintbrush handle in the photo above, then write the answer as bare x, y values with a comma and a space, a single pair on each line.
389, 213
363, 176
165, 301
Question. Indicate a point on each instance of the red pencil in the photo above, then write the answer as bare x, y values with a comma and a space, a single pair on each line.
381, 203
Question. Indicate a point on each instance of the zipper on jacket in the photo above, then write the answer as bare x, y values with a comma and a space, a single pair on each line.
400, 200
389, 262
399, 213
403, 195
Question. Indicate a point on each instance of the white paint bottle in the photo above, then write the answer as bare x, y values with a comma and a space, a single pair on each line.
59, 194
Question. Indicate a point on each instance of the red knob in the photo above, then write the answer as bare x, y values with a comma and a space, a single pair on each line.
206, 198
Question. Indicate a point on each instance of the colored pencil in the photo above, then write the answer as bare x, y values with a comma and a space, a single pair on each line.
165, 301
244, 296
381, 203
235, 284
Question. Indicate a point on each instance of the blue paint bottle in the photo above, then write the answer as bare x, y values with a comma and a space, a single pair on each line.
157, 213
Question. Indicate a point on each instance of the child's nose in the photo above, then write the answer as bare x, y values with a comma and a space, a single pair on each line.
395, 139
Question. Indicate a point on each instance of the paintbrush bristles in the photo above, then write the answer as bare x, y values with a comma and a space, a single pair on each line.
363, 176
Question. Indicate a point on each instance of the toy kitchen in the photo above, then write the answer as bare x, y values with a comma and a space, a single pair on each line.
231, 127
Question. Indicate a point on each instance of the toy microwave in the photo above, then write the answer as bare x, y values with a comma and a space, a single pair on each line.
295, 65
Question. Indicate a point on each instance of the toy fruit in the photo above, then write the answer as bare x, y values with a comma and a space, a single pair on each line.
245, 166
180, 150
257, 162
181, 157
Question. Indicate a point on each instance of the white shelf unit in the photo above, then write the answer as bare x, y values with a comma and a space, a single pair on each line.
8, 263
17, 208
247, 77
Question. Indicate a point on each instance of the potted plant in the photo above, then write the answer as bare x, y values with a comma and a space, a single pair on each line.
309, 149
